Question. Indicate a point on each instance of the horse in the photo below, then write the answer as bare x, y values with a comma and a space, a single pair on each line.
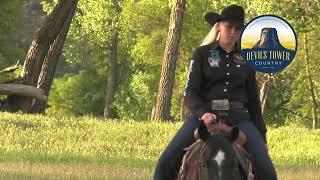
216, 156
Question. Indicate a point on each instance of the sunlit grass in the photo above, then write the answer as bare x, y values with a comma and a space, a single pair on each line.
83, 137
298, 173
39, 144
22, 171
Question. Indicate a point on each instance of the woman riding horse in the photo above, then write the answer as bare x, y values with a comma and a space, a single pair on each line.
219, 83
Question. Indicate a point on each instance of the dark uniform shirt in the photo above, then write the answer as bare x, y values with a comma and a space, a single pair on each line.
215, 74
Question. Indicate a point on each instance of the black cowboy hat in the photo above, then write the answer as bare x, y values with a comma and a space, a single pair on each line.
233, 14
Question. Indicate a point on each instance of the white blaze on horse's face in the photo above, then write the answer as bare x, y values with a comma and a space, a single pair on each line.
219, 157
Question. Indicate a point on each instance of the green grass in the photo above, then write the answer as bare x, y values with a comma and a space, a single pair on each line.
22, 171
298, 173
82, 140
295, 146
90, 143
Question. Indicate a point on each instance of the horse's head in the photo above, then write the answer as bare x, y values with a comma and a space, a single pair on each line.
218, 160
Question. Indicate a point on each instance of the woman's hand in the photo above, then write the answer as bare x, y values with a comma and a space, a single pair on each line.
209, 120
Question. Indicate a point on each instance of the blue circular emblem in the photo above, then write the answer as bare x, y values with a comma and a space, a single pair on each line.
268, 43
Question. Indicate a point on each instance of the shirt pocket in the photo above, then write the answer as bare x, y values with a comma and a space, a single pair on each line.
240, 70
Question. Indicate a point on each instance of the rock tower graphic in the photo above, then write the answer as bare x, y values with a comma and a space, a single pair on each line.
269, 39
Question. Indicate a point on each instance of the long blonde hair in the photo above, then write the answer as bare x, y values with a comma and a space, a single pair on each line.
212, 36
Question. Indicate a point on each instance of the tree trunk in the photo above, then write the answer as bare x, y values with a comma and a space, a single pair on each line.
163, 104
112, 76
40, 44
264, 91
311, 84
50, 63
22, 90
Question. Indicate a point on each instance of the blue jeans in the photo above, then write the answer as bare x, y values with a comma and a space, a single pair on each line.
170, 160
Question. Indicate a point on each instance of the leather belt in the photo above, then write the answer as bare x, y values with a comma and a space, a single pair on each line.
226, 104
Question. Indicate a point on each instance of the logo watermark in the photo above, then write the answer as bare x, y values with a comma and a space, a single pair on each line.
268, 43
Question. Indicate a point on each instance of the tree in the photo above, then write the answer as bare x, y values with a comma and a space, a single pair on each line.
264, 90
304, 16
113, 62
306, 13
41, 42
50, 63
163, 105
141, 42
90, 47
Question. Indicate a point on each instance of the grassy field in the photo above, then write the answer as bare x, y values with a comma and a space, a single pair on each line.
15, 170
71, 148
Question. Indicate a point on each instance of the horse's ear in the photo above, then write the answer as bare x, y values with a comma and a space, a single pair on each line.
203, 131
234, 133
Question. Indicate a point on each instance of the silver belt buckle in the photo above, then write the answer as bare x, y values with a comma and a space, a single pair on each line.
220, 104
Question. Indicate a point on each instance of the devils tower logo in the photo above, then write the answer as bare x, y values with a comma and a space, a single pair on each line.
268, 44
